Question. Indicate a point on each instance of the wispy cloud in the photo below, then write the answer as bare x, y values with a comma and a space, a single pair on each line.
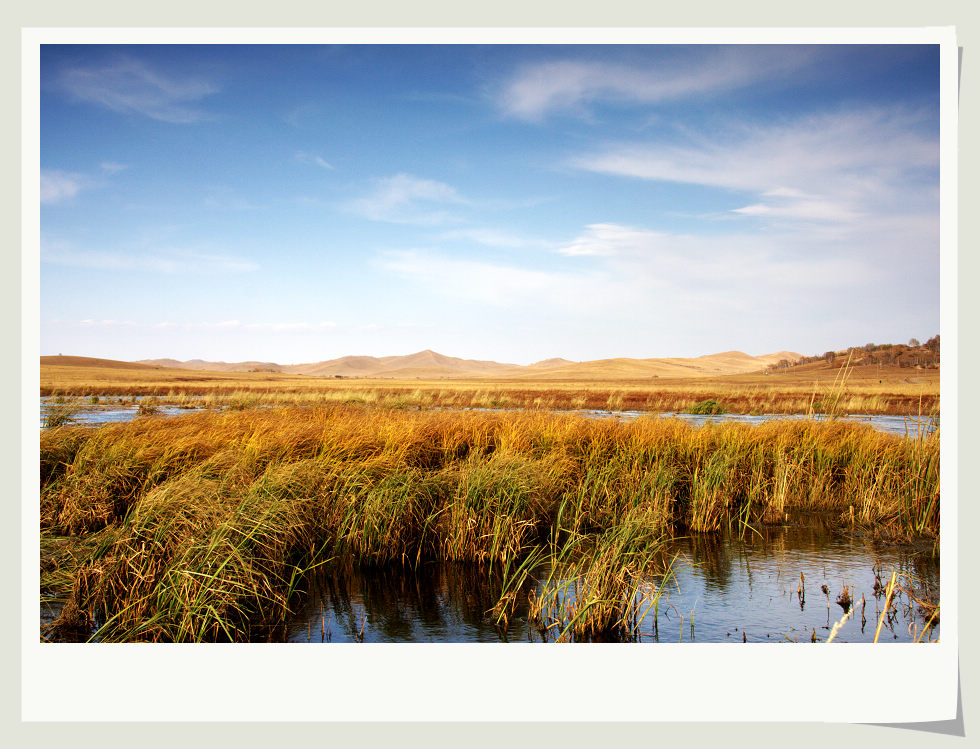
746, 281
793, 204
284, 327
275, 327
314, 159
57, 186
493, 238
224, 198
168, 261
621, 272
406, 199
610, 239
113, 167
536, 91
496, 284
302, 116
830, 167
740, 264
129, 86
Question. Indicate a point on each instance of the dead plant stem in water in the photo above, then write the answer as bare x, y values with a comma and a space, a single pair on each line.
888, 601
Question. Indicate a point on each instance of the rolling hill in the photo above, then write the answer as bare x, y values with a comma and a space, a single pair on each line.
88, 361
213, 366
422, 364
428, 364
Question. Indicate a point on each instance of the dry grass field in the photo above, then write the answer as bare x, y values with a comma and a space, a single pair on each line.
862, 389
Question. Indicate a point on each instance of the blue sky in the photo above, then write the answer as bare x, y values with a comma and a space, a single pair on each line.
300, 203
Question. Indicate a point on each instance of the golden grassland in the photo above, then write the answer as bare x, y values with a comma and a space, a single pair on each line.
202, 527
866, 390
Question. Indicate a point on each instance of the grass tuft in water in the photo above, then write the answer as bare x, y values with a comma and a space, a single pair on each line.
707, 407
60, 414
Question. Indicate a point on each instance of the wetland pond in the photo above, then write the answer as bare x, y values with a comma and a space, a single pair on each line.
776, 583
722, 588
103, 413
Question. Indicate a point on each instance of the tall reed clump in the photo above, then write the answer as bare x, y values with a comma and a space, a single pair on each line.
497, 508
202, 527
601, 586
60, 414
200, 559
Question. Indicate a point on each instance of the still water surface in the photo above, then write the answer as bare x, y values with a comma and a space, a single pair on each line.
94, 415
722, 589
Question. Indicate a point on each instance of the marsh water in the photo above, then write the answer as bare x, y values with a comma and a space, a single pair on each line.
781, 583
113, 413
727, 588
771, 584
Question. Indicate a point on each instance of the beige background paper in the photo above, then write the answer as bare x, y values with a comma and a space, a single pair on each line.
270, 682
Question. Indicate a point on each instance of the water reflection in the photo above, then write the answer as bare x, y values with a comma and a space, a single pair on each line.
433, 603
902, 425
906, 426
788, 583
96, 415
730, 588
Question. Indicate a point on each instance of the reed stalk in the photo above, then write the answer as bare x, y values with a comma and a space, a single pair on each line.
888, 601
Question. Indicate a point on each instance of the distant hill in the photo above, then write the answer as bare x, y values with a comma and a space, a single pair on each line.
212, 366
88, 361
431, 365
740, 360
729, 362
423, 364
550, 363
914, 354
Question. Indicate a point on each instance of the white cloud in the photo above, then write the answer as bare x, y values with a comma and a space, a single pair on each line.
730, 266
804, 209
107, 323
302, 116
275, 327
613, 273
492, 238
58, 186
403, 198
282, 327
168, 261
610, 239
827, 167
760, 160
113, 167
541, 89
129, 86
314, 159
485, 282
785, 192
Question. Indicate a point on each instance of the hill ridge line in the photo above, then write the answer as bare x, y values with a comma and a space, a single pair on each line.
429, 364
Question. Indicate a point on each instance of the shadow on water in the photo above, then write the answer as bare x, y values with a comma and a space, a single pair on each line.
769, 584
436, 602
766, 584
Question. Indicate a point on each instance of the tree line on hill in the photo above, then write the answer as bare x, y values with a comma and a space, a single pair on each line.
913, 354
